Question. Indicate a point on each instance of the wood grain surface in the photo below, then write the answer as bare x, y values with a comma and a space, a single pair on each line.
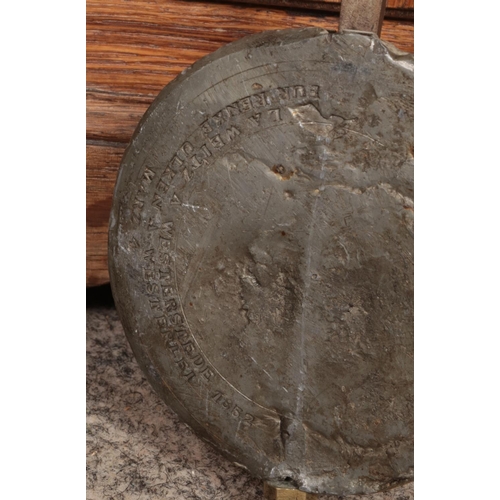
134, 48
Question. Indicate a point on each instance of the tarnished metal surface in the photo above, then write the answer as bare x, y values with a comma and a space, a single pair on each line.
261, 256
362, 15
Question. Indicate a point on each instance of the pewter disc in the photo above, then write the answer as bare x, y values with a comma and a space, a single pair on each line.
261, 255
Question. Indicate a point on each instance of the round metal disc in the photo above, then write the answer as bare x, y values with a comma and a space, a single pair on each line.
261, 256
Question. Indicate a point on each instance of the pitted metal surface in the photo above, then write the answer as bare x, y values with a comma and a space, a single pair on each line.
261, 256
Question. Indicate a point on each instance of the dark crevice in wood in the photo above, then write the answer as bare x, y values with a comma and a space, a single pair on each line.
106, 144
313, 8
119, 95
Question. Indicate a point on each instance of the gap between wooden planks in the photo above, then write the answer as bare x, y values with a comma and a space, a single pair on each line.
134, 48
400, 9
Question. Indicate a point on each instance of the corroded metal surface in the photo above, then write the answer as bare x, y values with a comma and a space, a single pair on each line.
261, 256
362, 15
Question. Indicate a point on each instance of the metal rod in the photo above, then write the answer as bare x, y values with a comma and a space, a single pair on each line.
362, 15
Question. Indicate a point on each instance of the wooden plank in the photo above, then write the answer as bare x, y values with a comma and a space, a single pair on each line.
134, 48
103, 160
112, 116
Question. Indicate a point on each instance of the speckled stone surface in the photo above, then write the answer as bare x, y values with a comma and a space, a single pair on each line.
136, 446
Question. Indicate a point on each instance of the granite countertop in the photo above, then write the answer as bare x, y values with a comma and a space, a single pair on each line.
136, 446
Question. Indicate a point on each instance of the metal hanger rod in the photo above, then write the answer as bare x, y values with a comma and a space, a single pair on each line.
362, 15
